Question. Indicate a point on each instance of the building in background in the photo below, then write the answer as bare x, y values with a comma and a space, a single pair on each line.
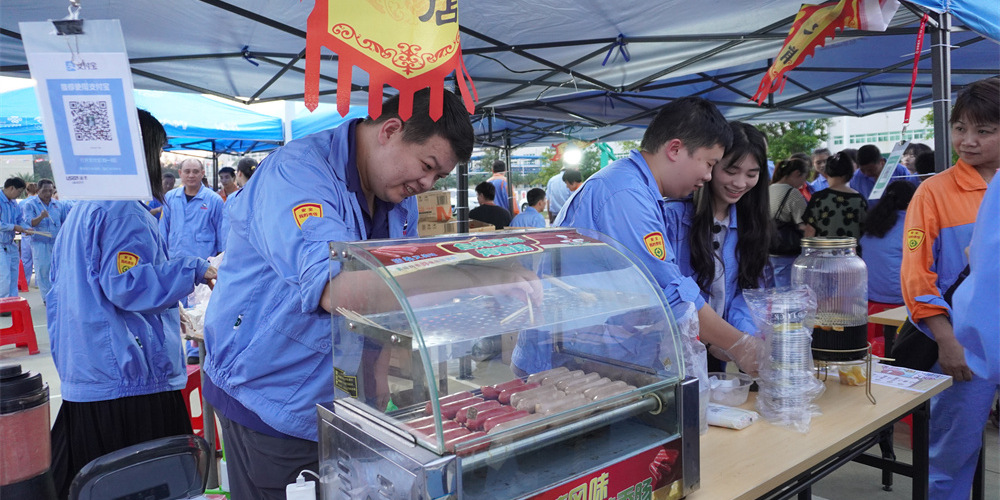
881, 129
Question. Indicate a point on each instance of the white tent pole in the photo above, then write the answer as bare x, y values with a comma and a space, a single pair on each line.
941, 89
286, 124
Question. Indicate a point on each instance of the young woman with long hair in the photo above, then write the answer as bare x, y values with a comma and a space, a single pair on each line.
720, 235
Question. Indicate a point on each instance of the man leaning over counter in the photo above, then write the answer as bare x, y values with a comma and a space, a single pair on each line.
270, 350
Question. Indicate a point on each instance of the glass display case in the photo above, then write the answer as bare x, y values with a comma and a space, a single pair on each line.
516, 364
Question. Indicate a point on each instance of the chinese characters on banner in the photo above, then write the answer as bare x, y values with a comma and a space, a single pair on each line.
812, 26
408, 45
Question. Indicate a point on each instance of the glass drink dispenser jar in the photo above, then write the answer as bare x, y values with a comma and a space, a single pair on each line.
839, 278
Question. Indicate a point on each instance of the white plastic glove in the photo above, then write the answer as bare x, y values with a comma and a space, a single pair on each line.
747, 353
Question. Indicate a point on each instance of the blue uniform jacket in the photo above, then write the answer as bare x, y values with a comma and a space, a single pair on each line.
112, 311
819, 184
528, 218
977, 299
557, 192
624, 202
864, 184
269, 342
10, 216
883, 257
501, 198
679, 214
51, 224
192, 228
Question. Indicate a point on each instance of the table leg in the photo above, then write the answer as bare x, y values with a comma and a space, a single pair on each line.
921, 417
806, 494
208, 424
889, 455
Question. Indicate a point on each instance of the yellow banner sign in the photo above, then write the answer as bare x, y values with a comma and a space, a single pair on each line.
407, 44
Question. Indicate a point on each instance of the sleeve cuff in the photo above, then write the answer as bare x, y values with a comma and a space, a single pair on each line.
314, 282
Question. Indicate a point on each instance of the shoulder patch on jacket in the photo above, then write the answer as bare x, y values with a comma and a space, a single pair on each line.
655, 245
914, 238
126, 261
306, 210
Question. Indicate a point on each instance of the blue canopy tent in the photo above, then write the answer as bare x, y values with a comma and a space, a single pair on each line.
192, 122
325, 117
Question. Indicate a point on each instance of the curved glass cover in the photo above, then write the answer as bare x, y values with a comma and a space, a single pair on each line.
445, 319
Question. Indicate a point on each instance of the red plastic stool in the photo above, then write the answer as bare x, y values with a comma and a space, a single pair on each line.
192, 399
22, 281
22, 332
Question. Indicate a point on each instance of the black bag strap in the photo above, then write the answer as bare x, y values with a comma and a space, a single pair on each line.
782, 204
954, 286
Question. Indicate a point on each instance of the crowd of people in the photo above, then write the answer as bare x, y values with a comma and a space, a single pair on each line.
695, 203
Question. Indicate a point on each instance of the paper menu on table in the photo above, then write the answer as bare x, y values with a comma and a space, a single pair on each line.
905, 378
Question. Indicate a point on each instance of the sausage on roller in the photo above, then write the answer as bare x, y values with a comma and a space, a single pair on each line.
537, 377
493, 391
463, 414
451, 398
476, 421
579, 388
566, 382
560, 405
506, 394
494, 421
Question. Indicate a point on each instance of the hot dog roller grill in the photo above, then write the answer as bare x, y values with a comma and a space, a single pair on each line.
441, 328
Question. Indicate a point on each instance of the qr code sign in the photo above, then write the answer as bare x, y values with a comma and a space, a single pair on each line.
90, 120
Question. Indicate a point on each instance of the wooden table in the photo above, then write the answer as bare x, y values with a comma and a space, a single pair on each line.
891, 320
767, 461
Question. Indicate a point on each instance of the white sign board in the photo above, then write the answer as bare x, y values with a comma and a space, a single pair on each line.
91, 127
888, 169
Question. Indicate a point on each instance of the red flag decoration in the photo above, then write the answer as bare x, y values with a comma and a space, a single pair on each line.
406, 44
813, 24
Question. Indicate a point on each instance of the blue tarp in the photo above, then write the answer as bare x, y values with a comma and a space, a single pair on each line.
191, 121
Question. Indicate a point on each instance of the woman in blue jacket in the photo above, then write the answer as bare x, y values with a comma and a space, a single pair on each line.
721, 234
882, 243
114, 325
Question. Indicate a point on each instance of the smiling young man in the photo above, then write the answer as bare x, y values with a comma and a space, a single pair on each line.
625, 200
270, 355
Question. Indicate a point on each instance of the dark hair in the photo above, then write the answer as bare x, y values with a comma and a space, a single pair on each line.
169, 174
499, 166
752, 216
802, 156
454, 125
883, 216
924, 164
487, 189
535, 195
821, 151
227, 170
14, 182
247, 166
153, 139
786, 167
852, 153
44, 182
978, 103
840, 165
572, 176
693, 120
869, 154
917, 149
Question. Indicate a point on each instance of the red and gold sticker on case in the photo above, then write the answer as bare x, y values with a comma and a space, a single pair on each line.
126, 261
305, 211
654, 243
914, 238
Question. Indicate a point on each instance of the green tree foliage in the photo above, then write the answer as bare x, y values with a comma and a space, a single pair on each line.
786, 138
42, 168
590, 164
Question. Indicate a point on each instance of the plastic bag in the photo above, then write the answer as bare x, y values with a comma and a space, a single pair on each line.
787, 381
193, 315
695, 360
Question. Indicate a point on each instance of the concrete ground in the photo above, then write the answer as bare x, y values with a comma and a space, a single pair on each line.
851, 482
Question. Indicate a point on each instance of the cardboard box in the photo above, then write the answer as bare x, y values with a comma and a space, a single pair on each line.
434, 206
